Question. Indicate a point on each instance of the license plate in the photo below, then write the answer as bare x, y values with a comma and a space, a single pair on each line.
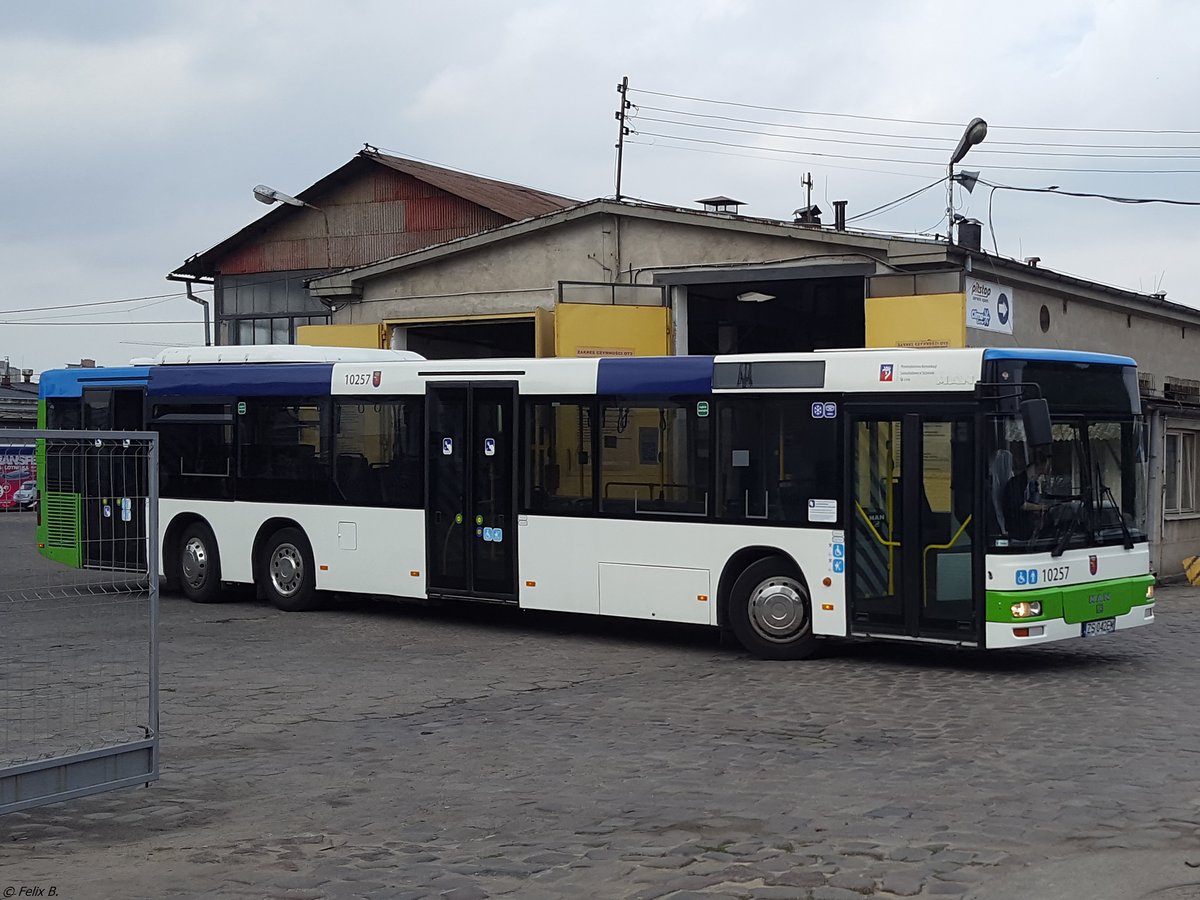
1102, 626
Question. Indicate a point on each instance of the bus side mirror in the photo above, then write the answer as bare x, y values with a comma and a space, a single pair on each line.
1035, 414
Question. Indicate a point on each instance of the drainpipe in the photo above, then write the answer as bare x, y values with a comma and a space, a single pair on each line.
187, 286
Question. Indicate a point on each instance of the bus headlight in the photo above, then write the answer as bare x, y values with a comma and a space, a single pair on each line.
1150, 591
1024, 610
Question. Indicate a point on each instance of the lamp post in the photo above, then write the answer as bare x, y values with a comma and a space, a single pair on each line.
269, 195
974, 134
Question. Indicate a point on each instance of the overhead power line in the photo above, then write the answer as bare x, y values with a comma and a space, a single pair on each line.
917, 162
1061, 193
805, 112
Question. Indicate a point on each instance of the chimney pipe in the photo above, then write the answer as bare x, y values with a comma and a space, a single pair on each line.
839, 215
970, 234
27, 376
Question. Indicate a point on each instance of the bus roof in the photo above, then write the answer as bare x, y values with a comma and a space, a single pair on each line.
71, 382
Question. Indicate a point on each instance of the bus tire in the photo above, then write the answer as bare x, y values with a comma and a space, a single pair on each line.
770, 611
199, 564
287, 573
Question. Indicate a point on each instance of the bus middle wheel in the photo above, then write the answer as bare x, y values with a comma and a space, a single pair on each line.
286, 572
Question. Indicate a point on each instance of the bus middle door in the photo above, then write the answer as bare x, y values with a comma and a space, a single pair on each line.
471, 490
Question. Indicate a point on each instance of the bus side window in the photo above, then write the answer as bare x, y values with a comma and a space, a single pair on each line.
774, 456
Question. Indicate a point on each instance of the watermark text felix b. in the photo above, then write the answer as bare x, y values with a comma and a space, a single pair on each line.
30, 890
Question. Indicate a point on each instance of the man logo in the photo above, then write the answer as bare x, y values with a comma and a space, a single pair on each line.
376, 377
1093, 564
885, 372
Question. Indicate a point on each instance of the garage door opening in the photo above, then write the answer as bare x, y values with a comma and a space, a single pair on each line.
776, 316
496, 339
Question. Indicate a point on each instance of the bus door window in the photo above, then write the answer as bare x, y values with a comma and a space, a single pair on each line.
946, 526
877, 508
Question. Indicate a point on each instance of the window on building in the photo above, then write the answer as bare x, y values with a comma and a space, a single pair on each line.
1182, 494
267, 307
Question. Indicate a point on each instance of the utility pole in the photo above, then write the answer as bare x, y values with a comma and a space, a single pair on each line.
622, 89
806, 182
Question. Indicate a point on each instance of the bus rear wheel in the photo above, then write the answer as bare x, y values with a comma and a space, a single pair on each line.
286, 571
199, 564
770, 611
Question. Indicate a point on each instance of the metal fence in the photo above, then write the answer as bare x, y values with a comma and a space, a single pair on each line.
79, 620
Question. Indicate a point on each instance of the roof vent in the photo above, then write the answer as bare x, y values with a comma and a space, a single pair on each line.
1032, 261
807, 215
721, 205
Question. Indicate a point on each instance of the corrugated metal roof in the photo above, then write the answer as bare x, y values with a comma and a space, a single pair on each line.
512, 201
498, 201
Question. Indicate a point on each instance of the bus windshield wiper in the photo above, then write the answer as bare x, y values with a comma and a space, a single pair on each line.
1106, 491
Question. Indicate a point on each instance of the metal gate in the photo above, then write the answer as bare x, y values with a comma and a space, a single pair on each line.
78, 616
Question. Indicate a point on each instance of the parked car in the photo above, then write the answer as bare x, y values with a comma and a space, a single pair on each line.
26, 496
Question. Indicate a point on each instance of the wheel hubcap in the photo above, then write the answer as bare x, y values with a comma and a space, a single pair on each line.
287, 569
195, 563
779, 610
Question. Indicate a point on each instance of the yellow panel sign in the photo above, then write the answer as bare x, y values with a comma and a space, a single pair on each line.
928, 321
371, 336
585, 329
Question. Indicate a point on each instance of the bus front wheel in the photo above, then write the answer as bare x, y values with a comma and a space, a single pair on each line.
286, 571
199, 564
770, 611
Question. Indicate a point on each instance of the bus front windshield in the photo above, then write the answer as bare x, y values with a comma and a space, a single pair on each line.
1086, 488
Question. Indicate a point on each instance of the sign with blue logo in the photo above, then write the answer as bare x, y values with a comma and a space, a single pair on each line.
489, 446
839, 566
1027, 576
487, 534
447, 446
823, 410
839, 551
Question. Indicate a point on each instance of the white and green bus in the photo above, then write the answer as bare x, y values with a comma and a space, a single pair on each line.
984, 498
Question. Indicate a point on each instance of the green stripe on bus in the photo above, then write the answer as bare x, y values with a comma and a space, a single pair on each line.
1074, 603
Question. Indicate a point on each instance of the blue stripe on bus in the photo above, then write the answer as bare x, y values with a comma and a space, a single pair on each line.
655, 375
251, 380
71, 382
1067, 356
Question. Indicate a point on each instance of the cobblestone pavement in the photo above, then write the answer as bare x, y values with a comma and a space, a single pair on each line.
380, 750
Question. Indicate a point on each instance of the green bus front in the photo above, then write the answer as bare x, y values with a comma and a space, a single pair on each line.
1066, 542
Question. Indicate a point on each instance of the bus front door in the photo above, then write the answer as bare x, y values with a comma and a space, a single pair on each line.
912, 562
470, 500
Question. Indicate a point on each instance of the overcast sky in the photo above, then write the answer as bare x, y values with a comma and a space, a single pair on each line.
132, 132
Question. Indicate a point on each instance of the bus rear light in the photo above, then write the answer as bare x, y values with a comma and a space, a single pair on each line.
1024, 610
1030, 631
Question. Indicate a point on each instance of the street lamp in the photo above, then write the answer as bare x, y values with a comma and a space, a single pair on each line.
974, 134
269, 196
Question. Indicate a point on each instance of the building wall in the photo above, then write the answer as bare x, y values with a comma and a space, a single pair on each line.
522, 273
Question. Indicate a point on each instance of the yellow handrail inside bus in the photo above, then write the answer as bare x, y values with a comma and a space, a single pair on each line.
925, 559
